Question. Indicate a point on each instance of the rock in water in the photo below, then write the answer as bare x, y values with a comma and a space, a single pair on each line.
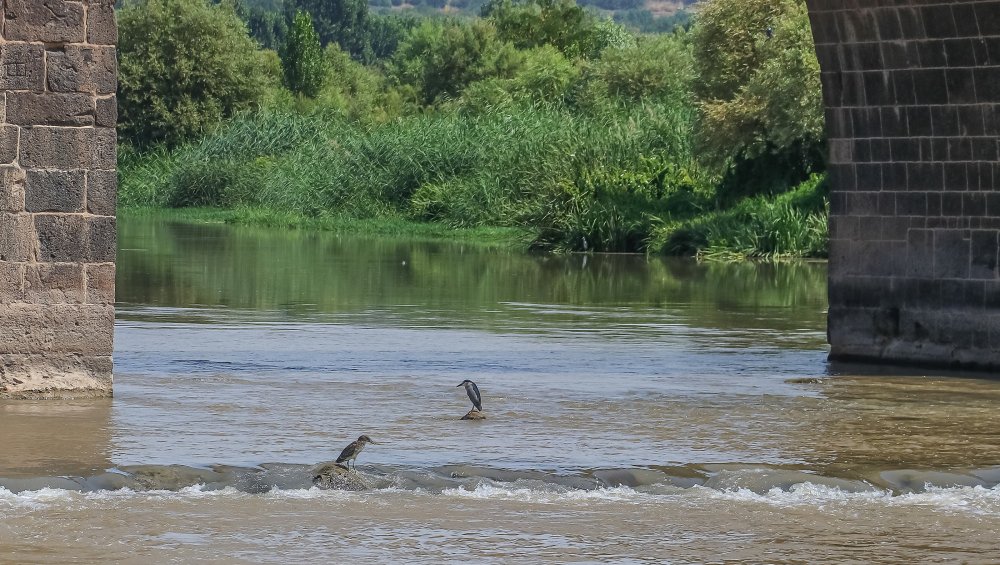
337, 477
474, 415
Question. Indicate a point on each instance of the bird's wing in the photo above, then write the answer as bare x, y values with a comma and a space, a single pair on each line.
478, 400
347, 452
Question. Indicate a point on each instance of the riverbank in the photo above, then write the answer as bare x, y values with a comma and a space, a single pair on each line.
508, 238
536, 178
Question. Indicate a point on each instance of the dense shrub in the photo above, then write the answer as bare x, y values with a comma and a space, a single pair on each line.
185, 65
439, 58
759, 91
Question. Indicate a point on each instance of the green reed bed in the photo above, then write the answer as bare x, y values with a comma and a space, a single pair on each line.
793, 224
559, 174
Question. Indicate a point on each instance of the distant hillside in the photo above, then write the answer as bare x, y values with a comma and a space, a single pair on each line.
644, 15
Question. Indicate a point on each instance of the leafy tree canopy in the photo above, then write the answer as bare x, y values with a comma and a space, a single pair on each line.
302, 59
759, 90
185, 65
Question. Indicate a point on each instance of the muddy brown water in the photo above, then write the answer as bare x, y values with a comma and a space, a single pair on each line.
638, 410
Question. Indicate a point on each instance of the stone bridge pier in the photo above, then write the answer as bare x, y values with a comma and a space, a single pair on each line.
912, 96
58, 77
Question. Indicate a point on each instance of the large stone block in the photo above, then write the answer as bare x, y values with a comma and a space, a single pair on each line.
59, 328
11, 189
26, 376
44, 147
54, 283
50, 109
107, 112
17, 237
101, 27
76, 238
62, 238
22, 66
82, 69
102, 192
100, 283
11, 282
9, 136
102, 239
51, 21
54, 191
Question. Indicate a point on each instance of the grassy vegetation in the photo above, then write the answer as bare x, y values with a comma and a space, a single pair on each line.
510, 238
561, 176
539, 123
792, 225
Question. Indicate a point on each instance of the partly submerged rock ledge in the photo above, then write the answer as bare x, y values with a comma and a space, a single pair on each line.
336, 477
474, 415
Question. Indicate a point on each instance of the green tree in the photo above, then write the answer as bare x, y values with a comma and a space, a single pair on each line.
185, 65
759, 93
560, 23
344, 22
302, 58
439, 58
656, 66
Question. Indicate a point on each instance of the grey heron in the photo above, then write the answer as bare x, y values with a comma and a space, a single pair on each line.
473, 391
351, 452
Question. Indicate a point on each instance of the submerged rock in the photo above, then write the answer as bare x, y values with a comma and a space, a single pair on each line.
474, 415
337, 477
804, 381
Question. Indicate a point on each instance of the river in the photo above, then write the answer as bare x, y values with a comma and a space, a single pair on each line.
637, 410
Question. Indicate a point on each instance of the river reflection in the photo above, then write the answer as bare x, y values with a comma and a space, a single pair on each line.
54, 437
176, 264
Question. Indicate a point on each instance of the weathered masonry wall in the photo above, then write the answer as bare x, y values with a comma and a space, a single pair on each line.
912, 95
57, 197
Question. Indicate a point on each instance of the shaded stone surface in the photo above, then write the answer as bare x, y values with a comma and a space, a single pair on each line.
57, 197
43, 20
82, 69
474, 415
54, 191
50, 109
911, 91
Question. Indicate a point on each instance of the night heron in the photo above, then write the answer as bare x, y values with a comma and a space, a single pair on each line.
351, 451
473, 391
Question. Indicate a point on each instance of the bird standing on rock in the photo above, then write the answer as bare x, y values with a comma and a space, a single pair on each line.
473, 391
351, 452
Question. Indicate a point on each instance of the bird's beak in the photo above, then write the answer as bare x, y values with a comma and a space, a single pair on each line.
458, 385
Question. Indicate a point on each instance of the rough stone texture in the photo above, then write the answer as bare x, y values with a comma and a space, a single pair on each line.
102, 192
11, 189
17, 237
82, 69
912, 96
8, 144
101, 28
57, 197
51, 21
333, 476
22, 67
54, 376
107, 112
44, 147
54, 283
100, 283
54, 191
51, 109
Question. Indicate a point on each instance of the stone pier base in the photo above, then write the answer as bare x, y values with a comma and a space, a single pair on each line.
58, 186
